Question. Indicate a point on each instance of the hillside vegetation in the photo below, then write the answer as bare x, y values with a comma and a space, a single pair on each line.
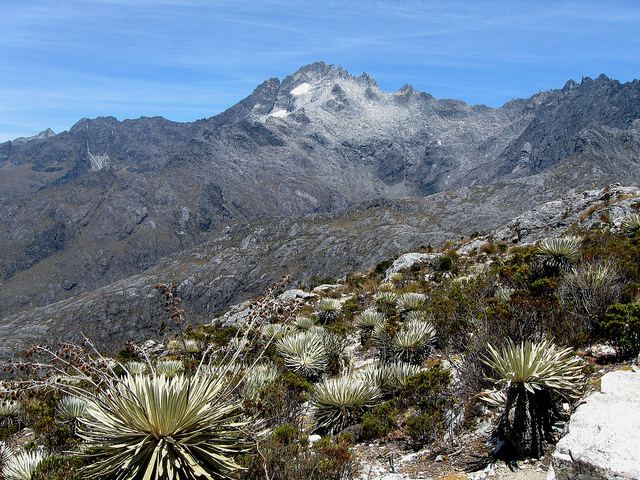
473, 352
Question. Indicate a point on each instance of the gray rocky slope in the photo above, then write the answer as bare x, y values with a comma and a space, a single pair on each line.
88, 208
244, 259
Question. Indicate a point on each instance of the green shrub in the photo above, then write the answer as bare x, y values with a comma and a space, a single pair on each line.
426, 389
425, 428
380, 421
621, 327
287, 455
446, 264
281, 401
60, 468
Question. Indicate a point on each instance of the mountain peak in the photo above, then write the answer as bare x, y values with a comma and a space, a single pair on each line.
42, 135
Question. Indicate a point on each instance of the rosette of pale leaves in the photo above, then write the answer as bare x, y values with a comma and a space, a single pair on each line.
303, 352
71, 408
560, 253
411, 301
536, 366
334, 347
379, 375
386, 298
329, 309
413, 340
22, 465
389, 376
9, 408
401, 371
503, 294
631, 224
147, 427
136, 368
256, 379
169, 368
303, 323
367, 321
273, 331
340, 401
186, 345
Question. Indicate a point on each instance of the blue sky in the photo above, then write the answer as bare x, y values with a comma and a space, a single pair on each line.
62, 60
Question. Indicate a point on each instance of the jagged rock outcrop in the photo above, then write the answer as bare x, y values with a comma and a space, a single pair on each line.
603, 434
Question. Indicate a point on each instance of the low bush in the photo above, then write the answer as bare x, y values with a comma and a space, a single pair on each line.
621, 327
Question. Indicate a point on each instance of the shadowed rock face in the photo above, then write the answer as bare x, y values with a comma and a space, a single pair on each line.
314, 144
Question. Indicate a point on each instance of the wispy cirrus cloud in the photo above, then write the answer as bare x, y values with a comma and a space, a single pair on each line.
188, 59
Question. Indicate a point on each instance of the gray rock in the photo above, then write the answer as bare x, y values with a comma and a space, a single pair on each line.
408, 260
294, 293
603, 433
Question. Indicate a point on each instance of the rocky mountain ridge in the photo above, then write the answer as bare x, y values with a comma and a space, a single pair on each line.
213, 276
107, 199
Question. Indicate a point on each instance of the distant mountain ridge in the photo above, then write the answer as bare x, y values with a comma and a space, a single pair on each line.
317, 143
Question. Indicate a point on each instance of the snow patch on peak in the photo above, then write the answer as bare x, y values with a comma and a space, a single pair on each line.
301, 89
279, 114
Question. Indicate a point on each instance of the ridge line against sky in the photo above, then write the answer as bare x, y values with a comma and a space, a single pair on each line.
189, 59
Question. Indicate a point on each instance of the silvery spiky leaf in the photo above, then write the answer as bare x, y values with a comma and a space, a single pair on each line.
560, 253
590, 289
329, 309
316, 330
385, 287
379, 375
256, 379
536, 366
22, 465
303, 352
303, 323
334, 348
503, 294
10, 408
5, 455
631, 224
494, 398
417, 315
191, 345
273, 331
367, 321
389, 376
387, 298
71, 408
136, 368
401, 372
237, 344
340, 401
411, 301
329, 305
169, 368
225, 373
413, 340
381, 336
182, 428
